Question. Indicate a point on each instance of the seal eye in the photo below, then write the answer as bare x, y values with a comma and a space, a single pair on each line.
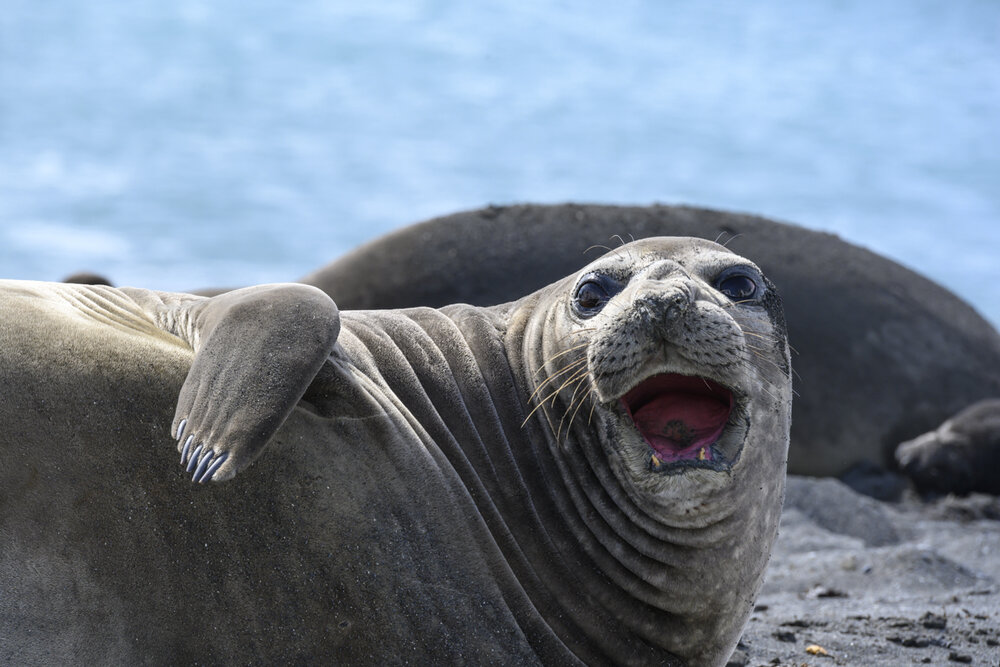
593, 292
738, 284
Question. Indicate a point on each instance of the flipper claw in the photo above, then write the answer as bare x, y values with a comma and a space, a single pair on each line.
180, 429
197, 477
215, 466
187, 448
194, 458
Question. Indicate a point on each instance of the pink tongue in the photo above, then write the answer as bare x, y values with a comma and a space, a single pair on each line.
679, 424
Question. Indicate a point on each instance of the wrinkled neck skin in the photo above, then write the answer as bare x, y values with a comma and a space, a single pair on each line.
682, 549
604, 572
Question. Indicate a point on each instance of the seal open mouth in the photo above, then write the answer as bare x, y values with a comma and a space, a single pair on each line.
680, 417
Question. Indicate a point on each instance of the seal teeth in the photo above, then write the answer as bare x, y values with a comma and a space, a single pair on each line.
194, 458
180, 428
701, 454
655, 463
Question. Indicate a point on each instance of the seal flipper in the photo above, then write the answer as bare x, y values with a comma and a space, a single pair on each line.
256, 351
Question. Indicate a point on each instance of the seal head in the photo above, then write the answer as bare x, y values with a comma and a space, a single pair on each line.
662, 372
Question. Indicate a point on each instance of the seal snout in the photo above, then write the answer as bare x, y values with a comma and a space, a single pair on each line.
663, 307
680, 417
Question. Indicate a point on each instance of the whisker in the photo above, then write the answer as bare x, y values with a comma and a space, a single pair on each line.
770, 339
757, 352
554, 393
565, 369
592, 406
750, 364
570, 407
574, 333
556, 356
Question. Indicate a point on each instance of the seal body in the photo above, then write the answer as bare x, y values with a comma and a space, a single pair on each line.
881, 353
592, 473
960, 456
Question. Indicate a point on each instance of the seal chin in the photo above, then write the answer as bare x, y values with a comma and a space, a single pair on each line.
686, 422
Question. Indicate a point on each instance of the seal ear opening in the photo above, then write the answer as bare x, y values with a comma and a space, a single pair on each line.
680, 416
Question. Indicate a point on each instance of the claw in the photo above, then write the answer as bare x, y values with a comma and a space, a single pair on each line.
215, 466
193, 461
202, 465
187, 448
180, 429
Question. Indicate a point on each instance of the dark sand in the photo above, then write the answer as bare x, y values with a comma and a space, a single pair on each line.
877, 583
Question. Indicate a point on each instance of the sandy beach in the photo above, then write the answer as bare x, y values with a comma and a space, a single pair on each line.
856, 581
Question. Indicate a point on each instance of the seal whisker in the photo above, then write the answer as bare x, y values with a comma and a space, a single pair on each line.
554, 393
731, 238
574, 333
576, 377
769, 339
566, 369
795, 373
749, 363
583, 398
572, 400
593, 404
758, 352
556, 356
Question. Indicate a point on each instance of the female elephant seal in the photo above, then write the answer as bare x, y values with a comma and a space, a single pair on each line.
592, 473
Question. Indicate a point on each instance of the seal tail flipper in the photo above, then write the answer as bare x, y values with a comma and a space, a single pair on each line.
256, 351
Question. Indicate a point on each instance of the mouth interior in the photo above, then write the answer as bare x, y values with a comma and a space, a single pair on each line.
679, 416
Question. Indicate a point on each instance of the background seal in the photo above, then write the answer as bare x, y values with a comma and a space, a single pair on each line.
881, 353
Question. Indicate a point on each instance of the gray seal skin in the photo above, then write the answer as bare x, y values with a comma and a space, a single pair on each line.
961, 456
881, 353
593, 473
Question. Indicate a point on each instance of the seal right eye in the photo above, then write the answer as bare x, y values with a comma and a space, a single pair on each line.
592, 293
739, 284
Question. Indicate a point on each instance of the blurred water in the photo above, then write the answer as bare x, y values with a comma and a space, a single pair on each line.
220, 142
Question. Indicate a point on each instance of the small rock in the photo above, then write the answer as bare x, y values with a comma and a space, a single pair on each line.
784, 635
914, 641
815, 649
933, 621
824, 592
959, 657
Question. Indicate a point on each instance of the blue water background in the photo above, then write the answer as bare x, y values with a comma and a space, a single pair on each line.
189, 143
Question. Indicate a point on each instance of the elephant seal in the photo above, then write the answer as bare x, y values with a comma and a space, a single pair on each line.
87, 278
961, 456
881, 353
593, 473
